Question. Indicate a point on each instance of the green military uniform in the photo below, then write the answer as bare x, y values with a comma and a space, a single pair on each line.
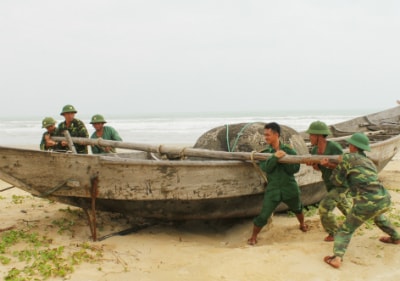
336, 196
76, 129
370, 198
282, 185
43, 141
109, 133
46, 123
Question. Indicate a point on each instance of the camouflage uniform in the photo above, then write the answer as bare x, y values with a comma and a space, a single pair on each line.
370, 198
76, 129
337, 195
43, 141
282, 186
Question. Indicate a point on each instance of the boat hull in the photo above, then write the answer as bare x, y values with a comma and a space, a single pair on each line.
213, 208
175, 190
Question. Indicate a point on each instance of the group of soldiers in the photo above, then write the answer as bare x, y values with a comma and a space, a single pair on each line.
77, 128
352, 186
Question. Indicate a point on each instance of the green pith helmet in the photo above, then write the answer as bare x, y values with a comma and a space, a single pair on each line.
68, 108
318, 128
359, 140
98, 119
48, 121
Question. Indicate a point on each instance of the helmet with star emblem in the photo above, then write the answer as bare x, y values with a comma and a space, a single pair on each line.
48, 121
68, 109
98, 119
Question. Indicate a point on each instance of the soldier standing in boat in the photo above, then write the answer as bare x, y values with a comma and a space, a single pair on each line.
370, 199
337, 195
282, 185
104, 132
75, 127
47, 143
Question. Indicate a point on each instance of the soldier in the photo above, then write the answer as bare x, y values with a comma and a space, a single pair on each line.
282, 185
104, 132
337, 195
47, 143
370, 199
75, 127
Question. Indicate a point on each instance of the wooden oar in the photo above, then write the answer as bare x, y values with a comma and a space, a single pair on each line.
203, 153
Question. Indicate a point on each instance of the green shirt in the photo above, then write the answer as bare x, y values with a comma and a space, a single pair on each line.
332, 148
109, 133
282, 184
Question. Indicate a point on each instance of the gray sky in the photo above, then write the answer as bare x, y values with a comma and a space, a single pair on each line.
194, 56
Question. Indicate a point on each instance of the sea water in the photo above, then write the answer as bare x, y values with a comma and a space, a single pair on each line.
183, 128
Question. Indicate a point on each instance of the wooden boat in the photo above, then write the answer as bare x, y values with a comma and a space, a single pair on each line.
196, 184
388, 120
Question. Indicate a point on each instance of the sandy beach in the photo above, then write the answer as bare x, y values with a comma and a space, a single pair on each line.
203, 250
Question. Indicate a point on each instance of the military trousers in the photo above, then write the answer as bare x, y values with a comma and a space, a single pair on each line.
336, 197
364, 208
270, 205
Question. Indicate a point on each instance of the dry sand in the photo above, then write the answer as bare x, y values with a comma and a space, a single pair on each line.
207, 250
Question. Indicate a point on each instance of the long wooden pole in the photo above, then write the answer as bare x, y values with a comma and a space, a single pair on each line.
70, 141
204, 153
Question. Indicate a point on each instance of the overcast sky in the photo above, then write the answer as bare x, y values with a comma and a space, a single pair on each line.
209, 55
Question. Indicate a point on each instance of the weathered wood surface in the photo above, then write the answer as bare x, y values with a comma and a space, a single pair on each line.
182, 189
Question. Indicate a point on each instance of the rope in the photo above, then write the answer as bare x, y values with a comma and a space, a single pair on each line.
227, 138
237, 136
259, 171
182, 153
240, 134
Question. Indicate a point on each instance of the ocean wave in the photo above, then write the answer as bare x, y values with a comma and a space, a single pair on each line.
176, 129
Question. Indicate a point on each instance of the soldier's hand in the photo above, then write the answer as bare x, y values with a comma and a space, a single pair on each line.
324, 161
309, 162
315, 166
280, 153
